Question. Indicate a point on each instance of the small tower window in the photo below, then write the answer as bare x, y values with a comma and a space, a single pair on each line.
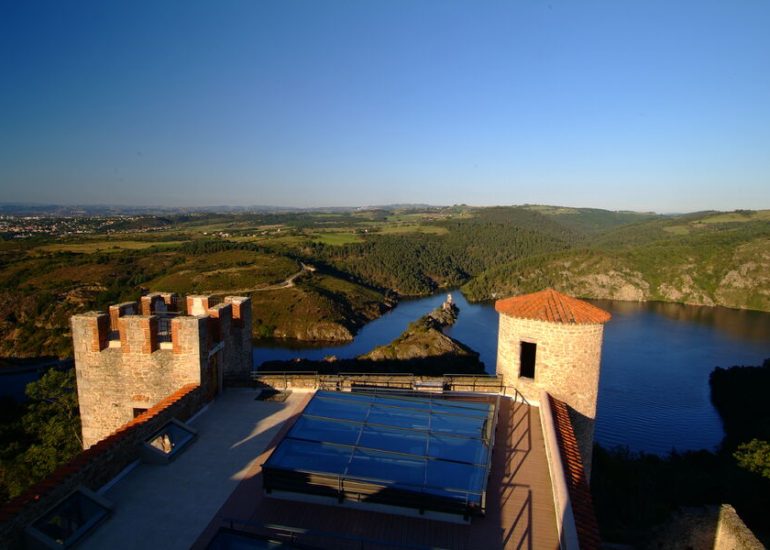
527, 360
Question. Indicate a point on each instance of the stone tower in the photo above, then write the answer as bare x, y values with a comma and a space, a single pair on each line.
552, 342
130, 359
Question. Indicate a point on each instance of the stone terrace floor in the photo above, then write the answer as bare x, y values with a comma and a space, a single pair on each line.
520, 509
217, 483
168, 506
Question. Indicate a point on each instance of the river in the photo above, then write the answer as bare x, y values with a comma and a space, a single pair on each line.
656, 359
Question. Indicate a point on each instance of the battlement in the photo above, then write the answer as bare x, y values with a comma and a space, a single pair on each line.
130, 358
155, 323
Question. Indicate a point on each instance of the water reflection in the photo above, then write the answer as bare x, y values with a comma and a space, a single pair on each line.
751, 326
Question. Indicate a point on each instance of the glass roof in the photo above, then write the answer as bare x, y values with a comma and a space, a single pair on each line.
425, 445
70, 520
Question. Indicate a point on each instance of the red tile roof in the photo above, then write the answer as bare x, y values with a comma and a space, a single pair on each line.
577, 484
553, 306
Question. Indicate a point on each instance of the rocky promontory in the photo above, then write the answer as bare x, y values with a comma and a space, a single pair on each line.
425, 338
422, 348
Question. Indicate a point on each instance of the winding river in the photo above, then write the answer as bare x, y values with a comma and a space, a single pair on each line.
654, 393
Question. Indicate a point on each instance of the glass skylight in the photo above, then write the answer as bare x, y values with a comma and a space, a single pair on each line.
418, 452
168, 442
69, 521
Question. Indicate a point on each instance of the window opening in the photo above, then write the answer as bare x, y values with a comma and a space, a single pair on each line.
527, 360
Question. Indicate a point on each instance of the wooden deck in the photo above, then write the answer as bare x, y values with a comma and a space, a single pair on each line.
520, 509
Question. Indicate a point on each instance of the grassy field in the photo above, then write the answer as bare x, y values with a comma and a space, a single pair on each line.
738, 216
417, 217
337, 239
224, 272
413, 228
91, 247
709, 221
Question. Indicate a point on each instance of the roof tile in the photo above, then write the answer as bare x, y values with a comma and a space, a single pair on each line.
553, 306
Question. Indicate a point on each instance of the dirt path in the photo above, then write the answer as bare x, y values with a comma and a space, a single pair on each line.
288, 283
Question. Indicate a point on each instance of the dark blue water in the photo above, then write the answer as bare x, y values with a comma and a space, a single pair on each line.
656, 359
476, 327
15, 377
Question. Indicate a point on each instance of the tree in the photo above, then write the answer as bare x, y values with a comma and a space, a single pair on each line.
754, 456
50, 429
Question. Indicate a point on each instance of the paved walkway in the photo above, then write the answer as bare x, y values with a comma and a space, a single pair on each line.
168, 506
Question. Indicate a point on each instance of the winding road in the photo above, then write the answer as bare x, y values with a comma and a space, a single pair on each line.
287, 283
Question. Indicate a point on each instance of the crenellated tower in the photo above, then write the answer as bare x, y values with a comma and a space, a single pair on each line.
130, 359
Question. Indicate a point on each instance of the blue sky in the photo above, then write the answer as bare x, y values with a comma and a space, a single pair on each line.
623, 105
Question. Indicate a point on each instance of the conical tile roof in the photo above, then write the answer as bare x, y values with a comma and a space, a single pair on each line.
555, 307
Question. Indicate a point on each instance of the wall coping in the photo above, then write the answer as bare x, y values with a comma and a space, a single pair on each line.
579, 528
565, 518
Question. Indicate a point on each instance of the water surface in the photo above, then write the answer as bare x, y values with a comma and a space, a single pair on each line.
656, 359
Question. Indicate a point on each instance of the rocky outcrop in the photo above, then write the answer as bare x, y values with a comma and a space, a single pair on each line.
738, 279
425, 338
422, 348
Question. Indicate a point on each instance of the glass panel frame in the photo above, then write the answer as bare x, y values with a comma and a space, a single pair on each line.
438, 450
70, 520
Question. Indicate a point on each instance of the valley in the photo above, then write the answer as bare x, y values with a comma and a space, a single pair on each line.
362, 261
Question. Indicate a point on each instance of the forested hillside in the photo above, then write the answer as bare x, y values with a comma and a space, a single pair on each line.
361, 261
707, 259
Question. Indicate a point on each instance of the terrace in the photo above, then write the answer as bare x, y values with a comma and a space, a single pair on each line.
212, 495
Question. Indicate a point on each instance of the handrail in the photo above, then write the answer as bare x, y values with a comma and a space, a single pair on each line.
473, 382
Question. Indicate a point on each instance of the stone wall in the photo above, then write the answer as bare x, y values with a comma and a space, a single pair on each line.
239, 361
704, 528
136, 374
95, 466
732, 533
567, 366
122, 367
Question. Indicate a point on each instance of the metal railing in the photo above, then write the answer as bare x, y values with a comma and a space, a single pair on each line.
395, 380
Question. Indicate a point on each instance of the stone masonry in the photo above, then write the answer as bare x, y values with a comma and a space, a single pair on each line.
567, 366
125, 363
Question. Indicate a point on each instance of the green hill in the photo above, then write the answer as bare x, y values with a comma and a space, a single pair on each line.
706, 258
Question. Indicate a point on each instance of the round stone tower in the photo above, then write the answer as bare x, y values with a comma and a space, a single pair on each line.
551, 342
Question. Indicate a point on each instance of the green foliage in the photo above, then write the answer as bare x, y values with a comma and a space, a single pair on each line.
635, 491
739, 393
754, 456
418, 263
491, 251
40, 435
591, 220
721, 263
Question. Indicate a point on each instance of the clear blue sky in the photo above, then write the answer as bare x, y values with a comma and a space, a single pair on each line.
623, 105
